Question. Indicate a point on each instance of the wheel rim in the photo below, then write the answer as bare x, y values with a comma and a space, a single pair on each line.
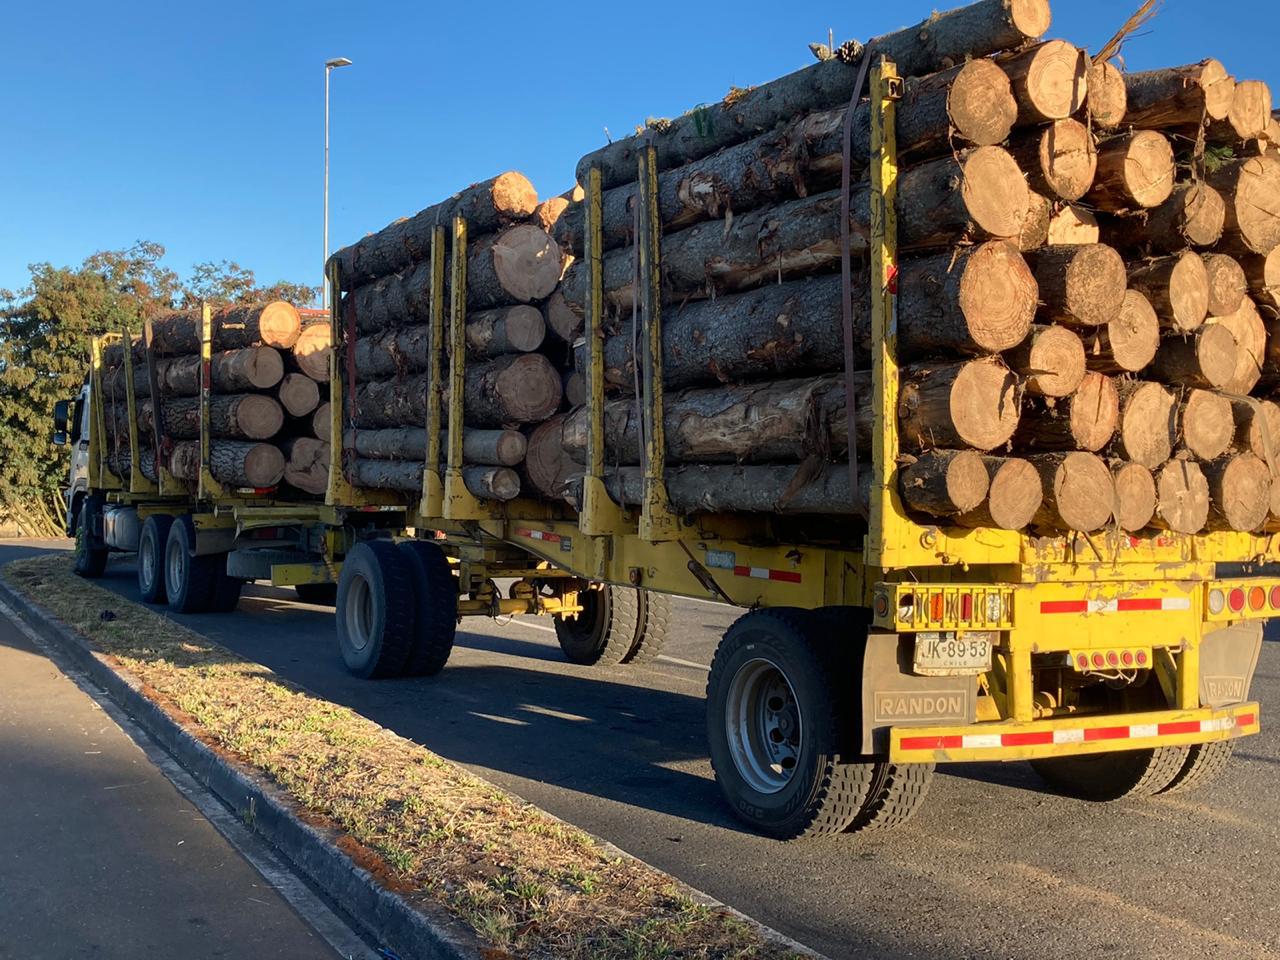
765, 726
358, 610
147, 560
174, 567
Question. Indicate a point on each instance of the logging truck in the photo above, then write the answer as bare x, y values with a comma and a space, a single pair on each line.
892, 621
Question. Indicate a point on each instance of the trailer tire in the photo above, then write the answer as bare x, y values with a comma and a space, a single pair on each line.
606, 629
1205, 763
90, 557
375, 612
151, 544
226, 590
897, 795
436, 616
651, 634
1122, 775
319, 594
773, 681
188, 579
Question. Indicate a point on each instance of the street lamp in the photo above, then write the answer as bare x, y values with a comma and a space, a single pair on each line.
329, 67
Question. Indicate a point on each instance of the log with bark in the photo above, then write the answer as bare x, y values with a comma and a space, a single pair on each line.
1108, 99
489, 334
1239, 492
939, 42
1205, 424
486, 206
1050, 80
497, 448
968, 404
1257, 428
1080, 285
274, 324
1177, 96
1129, 342
1086, 420
1227, 283
298, 394
1147, 423
306, 464
1051, 361
519, 265
1194, 216
773, 488
1013, 497
1250, 186
237, 416
1250, 333
1263, 275
233, 462
1135, 495
1177, 287
484, 483
562, 318
120, 463
575, 388
1249, 115
1182, 497
311, 352
1204, 358
1135, 171
548, 465
944, 483
1079, 493
322, 422
231, 371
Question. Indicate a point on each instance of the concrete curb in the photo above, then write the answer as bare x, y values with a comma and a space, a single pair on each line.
415, 931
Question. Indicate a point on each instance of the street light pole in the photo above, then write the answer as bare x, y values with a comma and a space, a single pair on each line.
329, 67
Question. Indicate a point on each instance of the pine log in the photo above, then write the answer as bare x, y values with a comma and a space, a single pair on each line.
1035, 225
1135, 496
487, 206
1257, 428
1014, 496
1079, 493
944, 483
120, 463
1205, 423
518, 265
1227, 283
976, 195
1246, 325
243, 416
1178, 95
311, 352
784, 489
231, 371
298, 394
562, 318
1129, 342
1251, 188
1059, 159
548, 213
497, 448
1248, 116
1177, 287
274, 324
1135, 171
969, 404
1108, 99
1263, 275
484, 483
575, 388
1193, 216
939, 42
1239, 492
395, 300
1205, 358
1082, 286
1147, 423
1050, 81
548, 465
307, 464
233, 462
1072, 223
491, 333
1051, 361
322, 422
1086, 420
1182, 497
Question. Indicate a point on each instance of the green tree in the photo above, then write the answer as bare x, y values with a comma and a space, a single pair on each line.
225, 281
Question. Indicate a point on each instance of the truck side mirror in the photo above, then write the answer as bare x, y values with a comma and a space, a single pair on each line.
61, 414
60, 438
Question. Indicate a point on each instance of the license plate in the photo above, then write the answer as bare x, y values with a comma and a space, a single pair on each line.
948, 654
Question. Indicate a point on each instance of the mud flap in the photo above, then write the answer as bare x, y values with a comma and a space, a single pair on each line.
1228, 658
893, 696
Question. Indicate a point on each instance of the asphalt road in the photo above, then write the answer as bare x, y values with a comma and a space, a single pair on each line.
994, 866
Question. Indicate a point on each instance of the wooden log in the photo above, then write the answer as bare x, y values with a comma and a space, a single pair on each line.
1108, 98
306, 464
1251, 188
1250, 333
548, 465
398, 299
120, 463
1086, 420
1178, 95
1050, 361
1205, 423
1227, 283
1205, 358
231, 371
1050, 80
497, 448
322, 422
1239, 492
1014, 496
1079, 493
274, 324
491, 333
1194, 216
1035, 226
575, 388
311, 352
1177, 287
1249, 115
548, 213
1071, 223
487, 206
944, 483
1129, 342
562, 318
298, 394
783, 489
1257, 428
485, 483
1135, 171
1263, 276
1059, 159
233, 462
939, 42
519, 265
242, 416
1082, 286
1135, 496
1147, 423
968, 404
1182, 497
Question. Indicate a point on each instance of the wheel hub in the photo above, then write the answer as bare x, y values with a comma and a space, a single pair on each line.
765, 725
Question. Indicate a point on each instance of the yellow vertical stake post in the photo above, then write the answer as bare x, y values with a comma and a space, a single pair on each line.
432, 486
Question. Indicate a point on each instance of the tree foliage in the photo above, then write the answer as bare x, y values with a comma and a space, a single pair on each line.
45, 330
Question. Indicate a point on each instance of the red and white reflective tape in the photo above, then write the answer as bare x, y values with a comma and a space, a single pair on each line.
1122, 605
539, 535
1137, 731
764, 573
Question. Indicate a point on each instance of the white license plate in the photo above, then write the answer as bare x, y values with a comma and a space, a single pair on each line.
946, 654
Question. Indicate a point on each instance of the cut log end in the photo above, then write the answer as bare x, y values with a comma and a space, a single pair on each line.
311, 351
1107, 97
1094, 411
279, 324
1250, 112
527, 262
1013, 497
513, 195
1178, 288
298, 394
1146, 424
1182, 497
971, 404
1206, 424
1031, 18
1079, 493
1239, 492
998, 296
322, 422
1081, 285
1129, 342
530, 388
944, 483
1205, 358
1073, 225
1051, 361
1250, 332
562, 318
1050, 81
1227, 283
1135, 496
1263, 274
980, 103
1134, 171
994, 191
1068, 159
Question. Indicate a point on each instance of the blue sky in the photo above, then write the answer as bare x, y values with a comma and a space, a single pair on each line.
201, 126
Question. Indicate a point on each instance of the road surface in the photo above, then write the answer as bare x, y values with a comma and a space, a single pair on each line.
994, 866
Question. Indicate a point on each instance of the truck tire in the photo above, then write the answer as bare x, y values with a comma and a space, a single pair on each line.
778, 718
606, 629
226, 590
435, 590
188, 580
651, 637
1205, 763
898, 793
90, 555
375, 611
1104, 777
151, 543
320, 594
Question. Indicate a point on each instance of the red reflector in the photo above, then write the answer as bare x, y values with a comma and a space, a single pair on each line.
1127, 657
1275, 597
1026, 739
932, 743
1257, 597
1246, 720
1235, 599
1112, 658
1083, 662
1106, 733
1098, 660
936, 606
1142, 657
966, 607
1180, 726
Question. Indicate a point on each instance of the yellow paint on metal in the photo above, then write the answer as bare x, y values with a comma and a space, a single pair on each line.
924, 606
293, 574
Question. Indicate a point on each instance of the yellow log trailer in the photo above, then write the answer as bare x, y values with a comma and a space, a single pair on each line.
1118, 665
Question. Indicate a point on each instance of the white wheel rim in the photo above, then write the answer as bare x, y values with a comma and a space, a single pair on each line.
358, 613
764, 726
175, 567
147, 561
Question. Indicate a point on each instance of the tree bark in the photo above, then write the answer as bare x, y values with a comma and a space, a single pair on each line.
1182, 497
1129, 342
722, 488
311, 352
1014, 496
1086, 420
1135, 171
120, 463
487, 206
944, 483
1251, 188
1193, 216
1051, 361
298, 394
1082, 286
231, 371
1205, 423
490, 333
484, 483
1108, 100
274, 324
1227, 283
307, 464
497, 448
396, 300
243, 416
1135, 496
1147, 423
518, 265
1246, 325
233, 462
1079, 493
1204, 358
1050, 81
1239, 492
1178, 289
969, 404
1178, 95
938, 43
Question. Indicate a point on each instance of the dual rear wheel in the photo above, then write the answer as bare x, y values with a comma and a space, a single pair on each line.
170, 571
